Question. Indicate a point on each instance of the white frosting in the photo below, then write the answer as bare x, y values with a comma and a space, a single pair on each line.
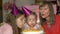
40, 32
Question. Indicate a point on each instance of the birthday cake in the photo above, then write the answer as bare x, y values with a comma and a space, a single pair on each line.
33, 32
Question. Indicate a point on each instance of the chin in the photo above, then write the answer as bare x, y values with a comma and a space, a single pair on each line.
43, 17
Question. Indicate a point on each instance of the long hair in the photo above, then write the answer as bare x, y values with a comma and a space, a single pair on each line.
11, 20
52, 19
17, 16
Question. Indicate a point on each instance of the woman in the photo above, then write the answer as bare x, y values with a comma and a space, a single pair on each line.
49, 21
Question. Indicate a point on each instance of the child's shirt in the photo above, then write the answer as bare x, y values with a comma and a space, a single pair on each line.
27, 27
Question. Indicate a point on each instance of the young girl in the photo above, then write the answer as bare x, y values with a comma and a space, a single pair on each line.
31, 22
20, 21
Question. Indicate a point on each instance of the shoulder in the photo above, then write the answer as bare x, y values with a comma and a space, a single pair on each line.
57, 17
7, 26
6, 29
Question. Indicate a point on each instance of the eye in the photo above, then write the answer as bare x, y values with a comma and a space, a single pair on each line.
45, 8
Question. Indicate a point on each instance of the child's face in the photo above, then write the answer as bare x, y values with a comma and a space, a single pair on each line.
31, 20
20, 21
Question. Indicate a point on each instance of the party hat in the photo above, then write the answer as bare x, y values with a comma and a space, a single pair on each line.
26, 11
15, 10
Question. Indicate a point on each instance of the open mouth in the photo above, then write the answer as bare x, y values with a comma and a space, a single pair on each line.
43, 14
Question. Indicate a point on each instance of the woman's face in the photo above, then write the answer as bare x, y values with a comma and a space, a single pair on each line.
20, 21
31, 20
44, 10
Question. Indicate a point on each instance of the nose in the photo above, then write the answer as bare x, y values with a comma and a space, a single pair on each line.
31, 20
43, 10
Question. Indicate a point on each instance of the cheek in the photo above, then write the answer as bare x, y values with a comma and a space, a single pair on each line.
40, 11
34, 22
29, 22
47, 13
18, 20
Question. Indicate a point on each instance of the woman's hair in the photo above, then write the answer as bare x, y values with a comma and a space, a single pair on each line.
52, 19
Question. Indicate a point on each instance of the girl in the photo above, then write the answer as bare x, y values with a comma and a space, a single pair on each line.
20, 20
31, 22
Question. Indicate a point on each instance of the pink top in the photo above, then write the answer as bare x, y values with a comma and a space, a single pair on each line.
6, 29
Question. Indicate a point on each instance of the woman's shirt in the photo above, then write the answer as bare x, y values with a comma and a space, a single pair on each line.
6, 29
55, 28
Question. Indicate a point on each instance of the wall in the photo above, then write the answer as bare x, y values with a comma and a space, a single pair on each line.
18, 3
24, 2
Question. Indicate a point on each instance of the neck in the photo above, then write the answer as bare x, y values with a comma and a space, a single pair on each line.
48, 22
48, 18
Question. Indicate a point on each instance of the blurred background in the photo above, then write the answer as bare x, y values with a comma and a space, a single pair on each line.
32, 5
1, 13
